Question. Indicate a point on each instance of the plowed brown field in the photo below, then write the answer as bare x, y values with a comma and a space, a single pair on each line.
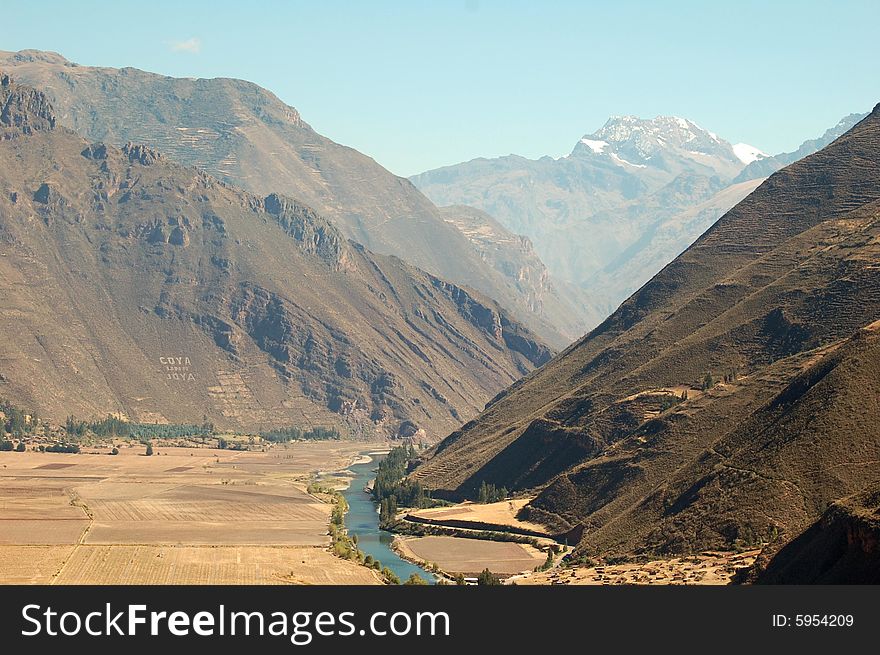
182, 516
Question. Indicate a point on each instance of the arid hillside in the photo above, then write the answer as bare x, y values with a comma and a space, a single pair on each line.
132, 284
243, 134
727, 402
843, 547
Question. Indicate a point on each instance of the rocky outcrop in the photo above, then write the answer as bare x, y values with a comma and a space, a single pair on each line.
143, 155
494, 323
23, 109
315, 234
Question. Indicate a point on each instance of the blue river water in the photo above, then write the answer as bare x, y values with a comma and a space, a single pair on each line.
362, 520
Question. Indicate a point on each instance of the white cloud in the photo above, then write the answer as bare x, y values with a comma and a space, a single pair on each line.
192, 45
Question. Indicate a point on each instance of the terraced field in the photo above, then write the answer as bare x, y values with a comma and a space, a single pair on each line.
182, 516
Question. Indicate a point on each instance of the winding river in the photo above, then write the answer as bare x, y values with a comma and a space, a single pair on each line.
362, 520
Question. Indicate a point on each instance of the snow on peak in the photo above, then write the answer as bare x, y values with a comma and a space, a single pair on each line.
623, 162
747, 154
672, 129
595, 146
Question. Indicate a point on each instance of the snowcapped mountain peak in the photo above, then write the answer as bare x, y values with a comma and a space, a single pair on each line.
648, 136
747, 154
663, 143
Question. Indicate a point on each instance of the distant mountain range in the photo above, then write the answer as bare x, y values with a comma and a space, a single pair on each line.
729, 401
622, 204
244, 135
130, 284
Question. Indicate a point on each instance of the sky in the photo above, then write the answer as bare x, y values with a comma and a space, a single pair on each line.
417, 85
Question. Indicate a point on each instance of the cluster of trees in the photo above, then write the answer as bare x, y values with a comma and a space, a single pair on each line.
115, 427
488, 493
283, 435
486, 577
62, 448
223, 444
6, 446
15, 420
391, 489
710, 380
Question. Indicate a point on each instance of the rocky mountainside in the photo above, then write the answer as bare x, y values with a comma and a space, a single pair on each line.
626, 201
729, 400
132, 284
583, 210
515, 256
244, 135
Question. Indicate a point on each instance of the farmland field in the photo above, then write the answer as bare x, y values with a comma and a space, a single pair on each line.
470, 556
501, 514
117, 564
181, 516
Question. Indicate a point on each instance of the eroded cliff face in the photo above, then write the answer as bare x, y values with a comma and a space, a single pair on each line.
117, 261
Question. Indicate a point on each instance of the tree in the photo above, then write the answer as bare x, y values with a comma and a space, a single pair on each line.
6, 446
415, 579
459, 579
149, 449
488, 578
708, 382
488, 493
115, 451
20, 447
390, 576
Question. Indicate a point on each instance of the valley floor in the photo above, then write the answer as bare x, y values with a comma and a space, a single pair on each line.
181, 516
453, 553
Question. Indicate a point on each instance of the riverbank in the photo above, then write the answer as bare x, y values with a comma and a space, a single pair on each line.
367, 543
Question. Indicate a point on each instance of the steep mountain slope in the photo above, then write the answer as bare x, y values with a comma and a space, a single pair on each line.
843, 547
658, 231
132, 284
560, 304
627, 435
243, 134
765, 166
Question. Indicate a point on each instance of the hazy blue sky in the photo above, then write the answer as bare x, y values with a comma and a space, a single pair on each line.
418, 85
